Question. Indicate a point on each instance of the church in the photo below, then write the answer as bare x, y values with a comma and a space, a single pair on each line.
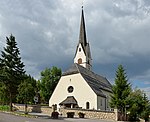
79, 86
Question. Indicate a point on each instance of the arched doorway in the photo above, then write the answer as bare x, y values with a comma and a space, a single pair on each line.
87, 105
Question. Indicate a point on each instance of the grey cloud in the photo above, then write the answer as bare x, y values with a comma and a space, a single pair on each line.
47, 33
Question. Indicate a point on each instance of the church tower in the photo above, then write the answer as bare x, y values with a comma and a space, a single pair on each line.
83, 54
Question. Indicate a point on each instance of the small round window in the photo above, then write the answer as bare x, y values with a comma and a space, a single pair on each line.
70, 89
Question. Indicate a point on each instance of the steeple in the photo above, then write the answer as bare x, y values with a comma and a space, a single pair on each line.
83, 54
82, 36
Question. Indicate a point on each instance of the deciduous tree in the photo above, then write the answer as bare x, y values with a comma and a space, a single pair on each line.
49, 80
139, 105
26, 92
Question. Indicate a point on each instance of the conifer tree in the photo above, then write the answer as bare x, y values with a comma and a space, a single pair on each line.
11, 68
121, 90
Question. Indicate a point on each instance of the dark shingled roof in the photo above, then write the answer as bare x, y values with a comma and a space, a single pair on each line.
95, 81
69, 100
82, 37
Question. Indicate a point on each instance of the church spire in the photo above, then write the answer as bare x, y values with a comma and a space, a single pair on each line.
82, 36
83, 54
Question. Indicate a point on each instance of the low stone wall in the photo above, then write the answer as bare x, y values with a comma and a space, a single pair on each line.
95, 114
34, 108
108, 115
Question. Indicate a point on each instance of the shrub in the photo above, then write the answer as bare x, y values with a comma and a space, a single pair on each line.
81, 115
4, 108
54, 115
70, 114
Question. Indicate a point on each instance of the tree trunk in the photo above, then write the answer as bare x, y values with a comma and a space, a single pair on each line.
26, 112
10, 102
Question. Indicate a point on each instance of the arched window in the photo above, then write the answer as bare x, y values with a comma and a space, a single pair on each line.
79, 61
87, 105
79, 49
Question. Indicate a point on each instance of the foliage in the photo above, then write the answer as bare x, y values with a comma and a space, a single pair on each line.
54, 115
3, 94
146, 112
49, 80
27, 90
139, 105
81, 115
11, 68
70, 114
121, 90
4, 108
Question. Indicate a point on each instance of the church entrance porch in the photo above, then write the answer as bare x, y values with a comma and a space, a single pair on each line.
69, 102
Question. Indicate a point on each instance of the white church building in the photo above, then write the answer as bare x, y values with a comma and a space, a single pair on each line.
79, 86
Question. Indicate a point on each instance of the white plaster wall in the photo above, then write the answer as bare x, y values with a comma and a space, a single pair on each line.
82, 91
81, 55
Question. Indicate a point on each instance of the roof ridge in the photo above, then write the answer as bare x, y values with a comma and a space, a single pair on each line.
78, 67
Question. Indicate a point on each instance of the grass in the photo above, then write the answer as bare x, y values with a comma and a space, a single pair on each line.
4, 108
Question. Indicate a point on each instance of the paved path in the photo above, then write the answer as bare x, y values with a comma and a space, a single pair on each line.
5, 117
85, 120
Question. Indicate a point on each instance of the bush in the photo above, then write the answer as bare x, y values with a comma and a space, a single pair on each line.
81, 115
4, 108
70, 114
54, 115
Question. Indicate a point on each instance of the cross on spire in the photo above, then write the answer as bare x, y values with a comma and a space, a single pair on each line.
82, 3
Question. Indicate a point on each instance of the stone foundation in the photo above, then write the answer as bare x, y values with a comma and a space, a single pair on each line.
108, 115
34, 108
94, 114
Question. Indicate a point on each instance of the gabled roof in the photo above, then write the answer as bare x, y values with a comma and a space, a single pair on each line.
69, 100
95, 81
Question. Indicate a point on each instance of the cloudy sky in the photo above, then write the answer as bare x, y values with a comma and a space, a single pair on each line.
47, 33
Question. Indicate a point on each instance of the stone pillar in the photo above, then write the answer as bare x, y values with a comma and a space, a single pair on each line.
54, 107
116, 114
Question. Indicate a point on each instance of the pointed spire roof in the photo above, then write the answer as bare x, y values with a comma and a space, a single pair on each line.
82, 36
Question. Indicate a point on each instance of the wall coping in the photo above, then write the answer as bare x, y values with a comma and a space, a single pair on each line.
91, 110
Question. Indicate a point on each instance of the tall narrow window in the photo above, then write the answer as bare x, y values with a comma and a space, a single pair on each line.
87, 105
79, 49
101, 102
107, 102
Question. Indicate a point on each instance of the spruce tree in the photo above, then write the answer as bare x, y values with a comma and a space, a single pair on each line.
121, 90
11, 68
